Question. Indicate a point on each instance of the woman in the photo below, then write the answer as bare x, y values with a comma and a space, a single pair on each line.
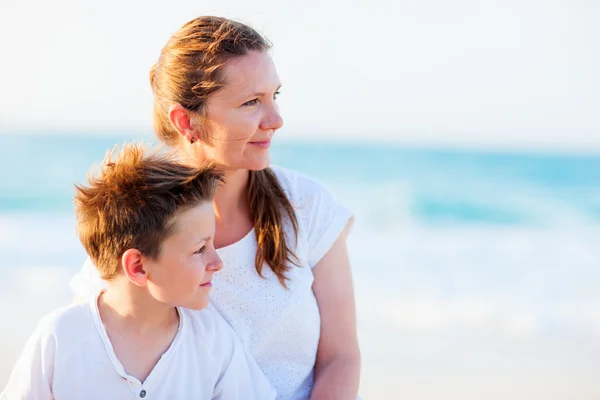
286, 285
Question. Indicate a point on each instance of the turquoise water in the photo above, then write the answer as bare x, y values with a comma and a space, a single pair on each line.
424, 185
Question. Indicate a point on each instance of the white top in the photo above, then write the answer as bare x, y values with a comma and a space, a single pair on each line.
69, 356
280, 327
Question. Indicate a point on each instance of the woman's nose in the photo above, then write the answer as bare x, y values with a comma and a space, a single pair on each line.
272, 120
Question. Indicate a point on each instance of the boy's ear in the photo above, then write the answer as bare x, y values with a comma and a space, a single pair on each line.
133, 267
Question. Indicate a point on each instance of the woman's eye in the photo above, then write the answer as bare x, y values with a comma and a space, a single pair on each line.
277, 93
251, 102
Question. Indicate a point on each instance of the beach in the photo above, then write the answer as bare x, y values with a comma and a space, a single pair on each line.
476, 274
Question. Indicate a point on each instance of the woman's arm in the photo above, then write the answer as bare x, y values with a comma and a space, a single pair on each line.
337, 368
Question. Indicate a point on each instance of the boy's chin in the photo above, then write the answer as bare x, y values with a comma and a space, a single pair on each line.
198, 304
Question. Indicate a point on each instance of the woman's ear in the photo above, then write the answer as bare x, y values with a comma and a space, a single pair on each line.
181, 119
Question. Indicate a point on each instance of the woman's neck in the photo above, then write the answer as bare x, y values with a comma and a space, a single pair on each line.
232, 211
231, 200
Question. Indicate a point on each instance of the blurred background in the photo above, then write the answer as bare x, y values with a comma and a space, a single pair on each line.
464, 135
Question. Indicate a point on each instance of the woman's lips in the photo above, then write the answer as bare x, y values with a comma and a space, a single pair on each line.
264, 144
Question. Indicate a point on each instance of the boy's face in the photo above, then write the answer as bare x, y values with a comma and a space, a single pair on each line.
182, 274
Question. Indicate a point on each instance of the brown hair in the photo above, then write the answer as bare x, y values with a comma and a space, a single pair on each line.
189, 70
133, 202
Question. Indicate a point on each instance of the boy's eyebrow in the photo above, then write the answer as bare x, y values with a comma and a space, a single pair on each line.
204, 239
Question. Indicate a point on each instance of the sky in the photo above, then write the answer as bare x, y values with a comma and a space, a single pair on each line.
512, 73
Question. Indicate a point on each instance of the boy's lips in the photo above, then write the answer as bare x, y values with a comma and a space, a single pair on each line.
207, 284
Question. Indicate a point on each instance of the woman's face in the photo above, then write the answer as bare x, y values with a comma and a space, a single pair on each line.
242, 117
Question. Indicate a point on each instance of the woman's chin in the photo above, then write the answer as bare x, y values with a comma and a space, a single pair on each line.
255, 163
259, 164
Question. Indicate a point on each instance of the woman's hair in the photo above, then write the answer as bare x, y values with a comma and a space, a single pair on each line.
189, 70
134, 202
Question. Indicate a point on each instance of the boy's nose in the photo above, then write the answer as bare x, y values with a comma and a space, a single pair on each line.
216, 264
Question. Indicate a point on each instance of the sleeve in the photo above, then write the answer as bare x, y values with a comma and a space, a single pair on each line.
240, 378
324, 218
87, 282
31, 378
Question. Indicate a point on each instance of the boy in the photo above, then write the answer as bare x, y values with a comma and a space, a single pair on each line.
148, 224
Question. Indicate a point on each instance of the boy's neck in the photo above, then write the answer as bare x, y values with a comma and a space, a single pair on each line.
127, 306
139, 328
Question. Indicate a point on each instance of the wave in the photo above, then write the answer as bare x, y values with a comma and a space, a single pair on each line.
514, 280
393, 205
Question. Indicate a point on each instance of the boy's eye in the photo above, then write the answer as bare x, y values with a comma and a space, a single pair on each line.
200, 250
251, 102
277, 93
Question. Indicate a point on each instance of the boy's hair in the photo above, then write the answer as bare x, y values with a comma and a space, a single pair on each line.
133, 202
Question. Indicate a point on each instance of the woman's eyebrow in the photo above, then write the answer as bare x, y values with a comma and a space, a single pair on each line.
258, 94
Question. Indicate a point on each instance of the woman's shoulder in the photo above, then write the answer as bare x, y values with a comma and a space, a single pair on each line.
321, 216
87, 282
297, 185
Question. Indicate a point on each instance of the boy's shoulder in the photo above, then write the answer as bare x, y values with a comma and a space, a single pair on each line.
212, 329
208, 322
239, 376
67, 323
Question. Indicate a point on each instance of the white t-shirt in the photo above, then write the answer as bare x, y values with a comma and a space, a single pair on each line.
69, 356
280, 327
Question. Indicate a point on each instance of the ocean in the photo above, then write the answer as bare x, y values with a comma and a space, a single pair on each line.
477, 272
